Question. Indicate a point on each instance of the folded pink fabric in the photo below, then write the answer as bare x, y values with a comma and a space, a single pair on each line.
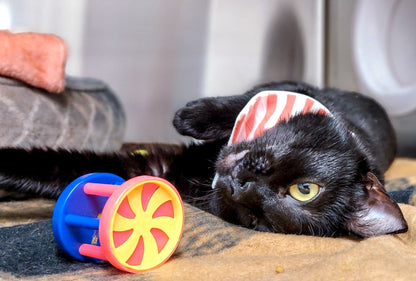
35, 58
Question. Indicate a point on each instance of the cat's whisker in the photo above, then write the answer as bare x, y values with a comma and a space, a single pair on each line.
276, 228
199, 183
202, 201
300, 228
311, 230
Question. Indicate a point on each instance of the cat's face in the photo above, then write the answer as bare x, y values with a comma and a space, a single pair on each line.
305, 176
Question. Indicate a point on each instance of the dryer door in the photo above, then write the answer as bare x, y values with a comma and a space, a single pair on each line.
384, 52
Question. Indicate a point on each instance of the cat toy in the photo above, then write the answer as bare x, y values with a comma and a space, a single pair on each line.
135, 225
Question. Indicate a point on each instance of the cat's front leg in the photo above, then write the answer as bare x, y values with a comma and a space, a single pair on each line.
46, 172
209, 118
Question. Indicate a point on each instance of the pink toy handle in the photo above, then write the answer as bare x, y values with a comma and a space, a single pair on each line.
100, 189
92, 251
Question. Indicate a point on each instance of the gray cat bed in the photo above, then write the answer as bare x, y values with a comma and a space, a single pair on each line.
86, 115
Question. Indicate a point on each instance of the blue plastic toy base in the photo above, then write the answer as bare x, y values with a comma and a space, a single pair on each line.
76, 215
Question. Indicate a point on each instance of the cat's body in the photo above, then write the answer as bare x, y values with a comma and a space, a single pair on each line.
343, 157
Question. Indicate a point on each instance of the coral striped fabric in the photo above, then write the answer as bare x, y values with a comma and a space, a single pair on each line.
267, 109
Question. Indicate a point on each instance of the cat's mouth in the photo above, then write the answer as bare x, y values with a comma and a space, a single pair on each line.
259, 223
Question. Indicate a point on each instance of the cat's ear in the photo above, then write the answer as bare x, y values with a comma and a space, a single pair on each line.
377, 213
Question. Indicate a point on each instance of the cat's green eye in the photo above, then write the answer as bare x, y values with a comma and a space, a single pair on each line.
304, 191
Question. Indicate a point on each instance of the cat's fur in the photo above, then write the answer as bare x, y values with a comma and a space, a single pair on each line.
346, 155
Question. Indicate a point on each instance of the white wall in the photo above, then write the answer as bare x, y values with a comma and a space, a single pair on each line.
262, 41
152, 54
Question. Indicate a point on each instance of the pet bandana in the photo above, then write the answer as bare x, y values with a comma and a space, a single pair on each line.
267, 109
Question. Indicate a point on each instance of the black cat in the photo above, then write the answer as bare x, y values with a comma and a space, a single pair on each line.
312, 174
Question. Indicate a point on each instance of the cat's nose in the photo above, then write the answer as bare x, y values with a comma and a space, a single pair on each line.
237, 190
232, 186
241, 191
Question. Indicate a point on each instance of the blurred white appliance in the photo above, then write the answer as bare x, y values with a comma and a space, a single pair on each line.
384, 52
372, 49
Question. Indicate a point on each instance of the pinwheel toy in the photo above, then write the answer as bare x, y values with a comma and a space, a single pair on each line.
136, 225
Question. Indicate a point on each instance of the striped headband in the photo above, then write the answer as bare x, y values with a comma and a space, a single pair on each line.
267, 109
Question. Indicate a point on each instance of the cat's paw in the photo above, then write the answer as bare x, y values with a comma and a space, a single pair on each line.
202, 119
191, 120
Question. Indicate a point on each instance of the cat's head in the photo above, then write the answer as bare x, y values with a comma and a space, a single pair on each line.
305, 176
